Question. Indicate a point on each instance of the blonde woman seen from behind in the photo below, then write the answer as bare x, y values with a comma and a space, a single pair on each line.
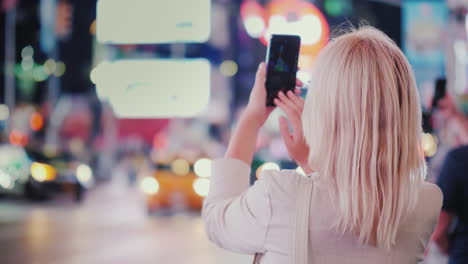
357, 137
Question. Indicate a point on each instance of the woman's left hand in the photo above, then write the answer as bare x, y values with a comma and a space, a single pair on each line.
256, 108
243, 141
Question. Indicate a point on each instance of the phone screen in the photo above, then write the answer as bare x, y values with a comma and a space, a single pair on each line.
440, 90
282, 58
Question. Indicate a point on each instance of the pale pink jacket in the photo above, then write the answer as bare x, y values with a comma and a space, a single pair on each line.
255, 219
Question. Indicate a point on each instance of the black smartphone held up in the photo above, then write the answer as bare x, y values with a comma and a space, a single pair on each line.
282, 58
439, 93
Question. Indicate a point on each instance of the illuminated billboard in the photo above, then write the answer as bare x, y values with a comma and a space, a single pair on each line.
424, 38
154, 88
153, 21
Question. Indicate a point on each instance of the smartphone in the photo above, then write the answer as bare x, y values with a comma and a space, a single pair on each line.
439, 92
282, 57
427, 122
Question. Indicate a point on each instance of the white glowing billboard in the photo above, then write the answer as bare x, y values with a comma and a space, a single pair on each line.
153, 21
154, 88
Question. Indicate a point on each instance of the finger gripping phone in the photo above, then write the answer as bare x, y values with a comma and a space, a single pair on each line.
282, 58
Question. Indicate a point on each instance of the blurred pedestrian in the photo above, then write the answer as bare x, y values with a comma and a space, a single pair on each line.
457, 122
451, 234
364, 199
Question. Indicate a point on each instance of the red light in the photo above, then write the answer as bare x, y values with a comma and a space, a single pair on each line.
251, 8
253, 16
160, 141
36, 122
18, 138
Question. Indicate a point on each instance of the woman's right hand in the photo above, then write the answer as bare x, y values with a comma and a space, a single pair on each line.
293, 105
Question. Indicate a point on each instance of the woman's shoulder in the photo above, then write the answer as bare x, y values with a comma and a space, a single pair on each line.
282, 186
281, 180
431, 193
423, 218
430, 199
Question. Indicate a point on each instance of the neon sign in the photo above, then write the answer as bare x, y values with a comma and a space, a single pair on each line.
296, 17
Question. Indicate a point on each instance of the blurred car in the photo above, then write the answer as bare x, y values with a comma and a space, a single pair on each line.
14, 169
37, 177
177, 185
51, 174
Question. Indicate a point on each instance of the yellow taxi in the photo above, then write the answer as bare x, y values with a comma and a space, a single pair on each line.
178, 184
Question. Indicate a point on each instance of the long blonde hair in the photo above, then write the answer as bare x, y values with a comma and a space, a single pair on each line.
362, 121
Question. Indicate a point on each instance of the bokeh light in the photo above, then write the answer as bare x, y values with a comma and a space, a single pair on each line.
202, 167
254, 25
270, 166
59, 69
42, 172
27, 64
429, 143
18, 138
309, 27
84, 174
50, 66
39, 74
94, 75
36, 122
4, 112
180, 167
267, 166
149, 185
304, 76
337, 7
27, 52
309, 23
201, 186
228, 68
252, 15
6, 180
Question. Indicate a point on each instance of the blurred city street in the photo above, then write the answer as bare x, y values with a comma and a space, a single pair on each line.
112, 112
110, 226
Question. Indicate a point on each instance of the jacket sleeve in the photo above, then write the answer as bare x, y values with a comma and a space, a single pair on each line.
236, 216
